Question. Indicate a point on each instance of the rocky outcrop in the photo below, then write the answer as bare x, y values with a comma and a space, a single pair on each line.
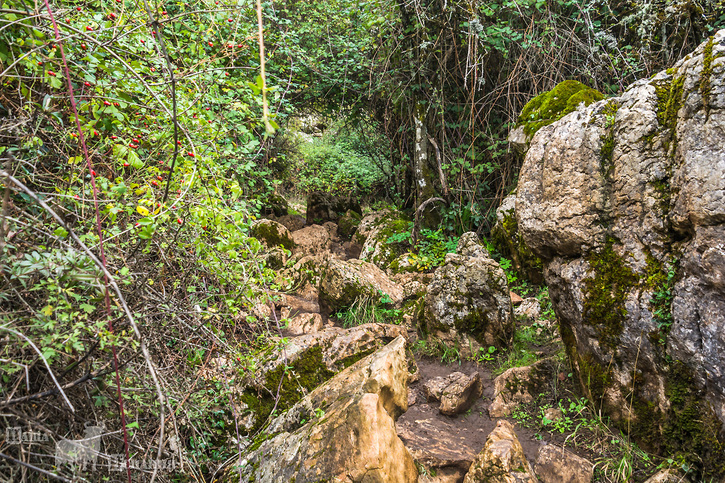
467, 303
625, 202
502, 459
322, 207
342, 431
304, 363
557, 465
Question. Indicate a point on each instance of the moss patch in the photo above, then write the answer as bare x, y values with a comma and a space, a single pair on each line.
606, 292
551, 106
301, 377
669, 102
706, 76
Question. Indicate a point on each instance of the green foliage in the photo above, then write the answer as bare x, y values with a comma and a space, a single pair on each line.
342, 161
366, 310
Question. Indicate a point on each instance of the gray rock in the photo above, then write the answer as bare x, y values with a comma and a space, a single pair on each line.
614, 198
467, 304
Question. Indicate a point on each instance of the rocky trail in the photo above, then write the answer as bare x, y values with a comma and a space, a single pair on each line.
447, 421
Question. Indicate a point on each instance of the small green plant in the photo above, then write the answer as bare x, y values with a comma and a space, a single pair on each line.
484, 355
366, 309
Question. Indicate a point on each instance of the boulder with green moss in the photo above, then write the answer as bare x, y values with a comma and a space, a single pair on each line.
388, 238
342, 431
301, 364
467, 305
548, 107
272, 234
624, 202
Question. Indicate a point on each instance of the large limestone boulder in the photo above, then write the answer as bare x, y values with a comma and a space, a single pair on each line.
302, 364
625, 202
345, 282
342, 431
502, 459
467, 303
548, 107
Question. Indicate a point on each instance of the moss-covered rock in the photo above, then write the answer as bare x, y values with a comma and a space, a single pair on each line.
275, 204
272, 234
324, 207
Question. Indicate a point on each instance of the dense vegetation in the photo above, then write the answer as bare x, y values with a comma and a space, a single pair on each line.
139, 142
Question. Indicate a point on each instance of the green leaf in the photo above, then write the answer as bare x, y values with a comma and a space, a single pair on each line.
60, 232
88, 308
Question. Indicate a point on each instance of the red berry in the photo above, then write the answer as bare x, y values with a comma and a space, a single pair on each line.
211, 44
179, 221
160, 178
178, 142
79, 8
194, 116
135, 140
190, 154
106, 103
112, 16
114, 137
84, 46
229, 20
164, 13
226, 74
153, 69
93, 173
209, 121
143, 41
207, 108
87, 84
51, 73
77, 197
40, 63
95, 133
126, 165
155, 183
117, 104
240, 46
89, 28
